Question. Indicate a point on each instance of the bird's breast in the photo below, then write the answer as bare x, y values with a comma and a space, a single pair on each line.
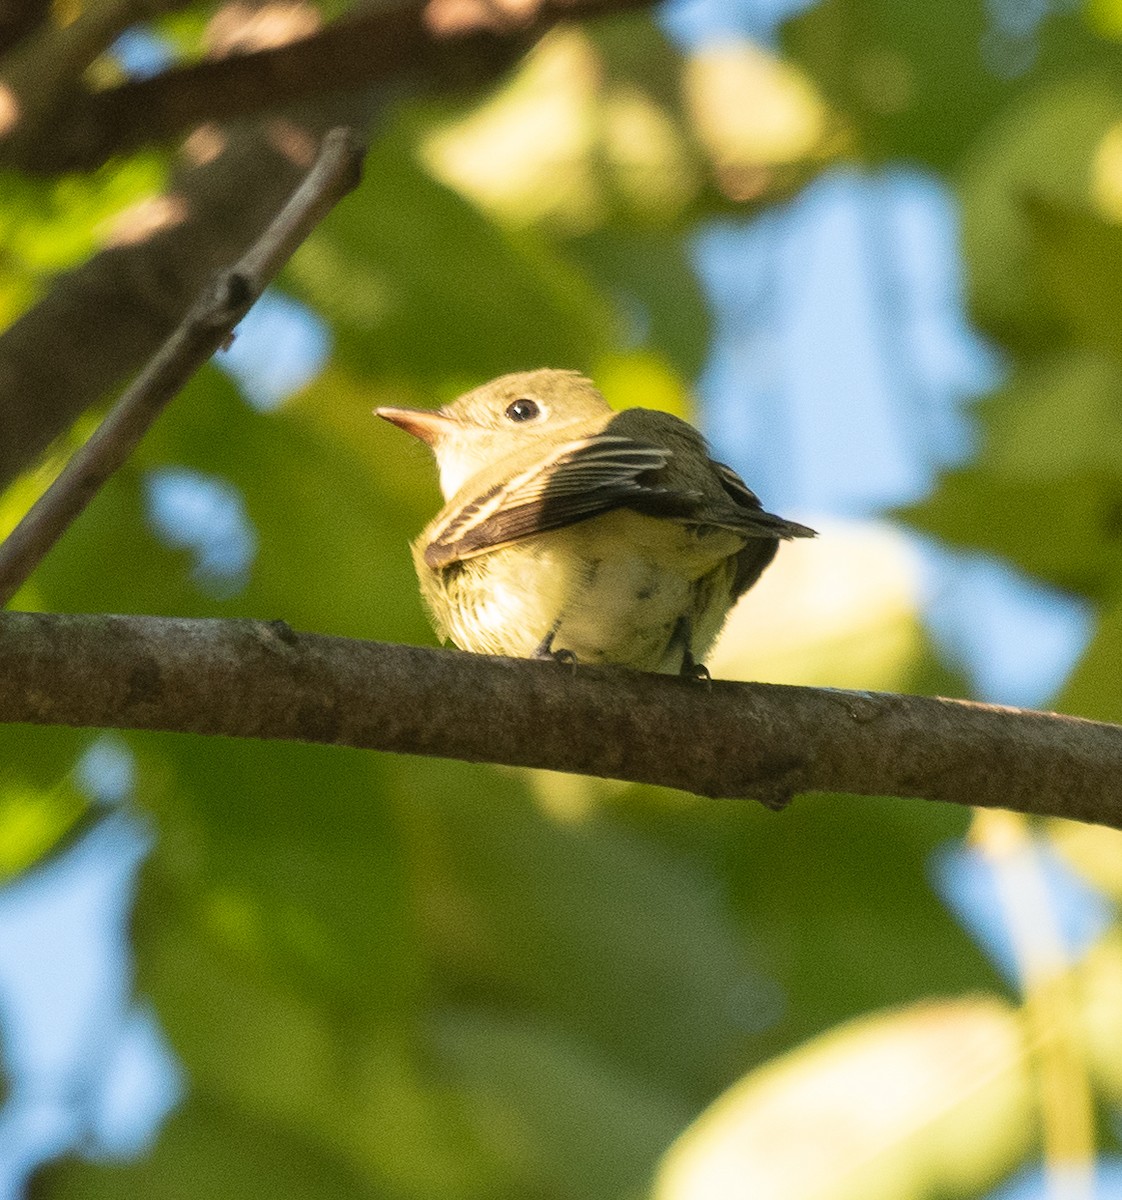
612, 589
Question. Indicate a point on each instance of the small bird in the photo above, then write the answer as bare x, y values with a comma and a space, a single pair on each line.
574, 532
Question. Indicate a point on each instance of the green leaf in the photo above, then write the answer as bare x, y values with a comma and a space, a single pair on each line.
211, 1148
922, 81
273, 930
1094, 689
1046, 488
649, 277
1042, 149
420, 286
827, 897
1078, 258
608, 937
1059, 418
931, 1100
332, 522
50, 224
1065, 532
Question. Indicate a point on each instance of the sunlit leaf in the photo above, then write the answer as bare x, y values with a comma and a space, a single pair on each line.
754, 113
1099, 990
566, 144
1104, 17
32, 821
1093, 850
47, 225
896, 1106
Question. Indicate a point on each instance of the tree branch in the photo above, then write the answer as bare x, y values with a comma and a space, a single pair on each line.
261, 680
101, 321
40, 76
360, 51
209, 323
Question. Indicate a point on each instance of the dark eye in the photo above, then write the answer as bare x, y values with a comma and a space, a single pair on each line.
522, 410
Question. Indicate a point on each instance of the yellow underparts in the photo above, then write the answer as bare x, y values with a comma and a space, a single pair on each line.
614, 589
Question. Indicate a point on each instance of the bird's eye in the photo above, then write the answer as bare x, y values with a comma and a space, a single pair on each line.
522, 410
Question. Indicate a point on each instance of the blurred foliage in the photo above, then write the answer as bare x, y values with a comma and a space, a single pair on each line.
399, 978
954, 1101
47, 225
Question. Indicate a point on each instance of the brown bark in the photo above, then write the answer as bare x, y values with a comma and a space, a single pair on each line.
207, 325
101, 321
261, 680
368, 49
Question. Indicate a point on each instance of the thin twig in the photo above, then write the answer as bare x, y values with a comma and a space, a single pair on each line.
101, 321
204, 329
261, 680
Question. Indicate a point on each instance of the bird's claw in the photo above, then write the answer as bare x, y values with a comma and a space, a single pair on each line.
692, 669
546, 653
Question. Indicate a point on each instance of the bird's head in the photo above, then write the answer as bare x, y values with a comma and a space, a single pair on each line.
509, 417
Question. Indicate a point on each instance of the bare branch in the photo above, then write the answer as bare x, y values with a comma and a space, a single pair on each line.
370, 48
203, 330
101, 321
261, 680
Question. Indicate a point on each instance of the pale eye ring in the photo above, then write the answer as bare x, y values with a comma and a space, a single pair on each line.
523, 410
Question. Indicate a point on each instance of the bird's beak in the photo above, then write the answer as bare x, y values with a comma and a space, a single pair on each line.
425, 423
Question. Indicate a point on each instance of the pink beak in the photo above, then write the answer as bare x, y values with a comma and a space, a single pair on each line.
427, 424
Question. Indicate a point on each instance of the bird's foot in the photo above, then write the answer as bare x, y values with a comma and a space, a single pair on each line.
546, 652
692, 669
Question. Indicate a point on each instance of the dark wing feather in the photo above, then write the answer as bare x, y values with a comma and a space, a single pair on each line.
748, 517
764, 530
576, 481
738, 491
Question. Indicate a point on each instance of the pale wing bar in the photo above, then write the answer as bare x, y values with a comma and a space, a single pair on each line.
578, 480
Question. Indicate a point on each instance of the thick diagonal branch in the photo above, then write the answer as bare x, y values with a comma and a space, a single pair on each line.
366, 49
40, 75
101, 321
261, 680
208, 324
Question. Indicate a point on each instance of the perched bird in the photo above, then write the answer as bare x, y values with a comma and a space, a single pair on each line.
575, 532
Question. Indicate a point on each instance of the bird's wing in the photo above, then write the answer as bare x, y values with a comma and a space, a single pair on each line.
762, 529
735, 487
575, 481
746, 515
